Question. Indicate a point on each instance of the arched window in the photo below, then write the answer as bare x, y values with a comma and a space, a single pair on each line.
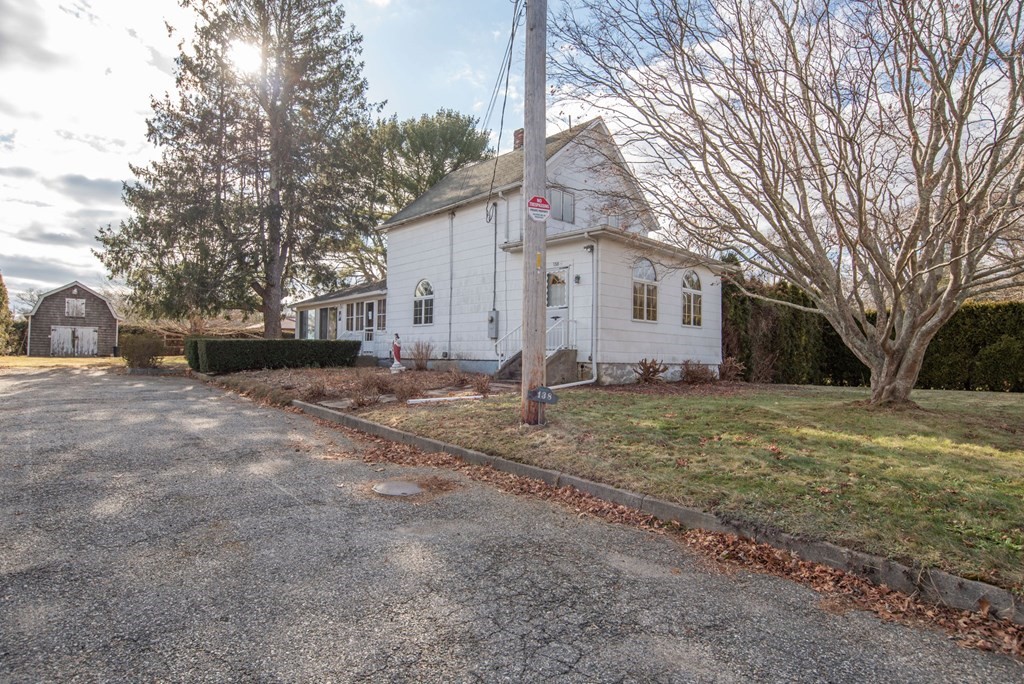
691, 299
423, 304
645, 291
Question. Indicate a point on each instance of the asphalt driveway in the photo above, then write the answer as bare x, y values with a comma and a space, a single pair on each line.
158, 529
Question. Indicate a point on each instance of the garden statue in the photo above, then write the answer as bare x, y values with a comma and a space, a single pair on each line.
396, 351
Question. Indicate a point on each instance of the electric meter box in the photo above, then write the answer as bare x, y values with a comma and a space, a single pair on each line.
492, 324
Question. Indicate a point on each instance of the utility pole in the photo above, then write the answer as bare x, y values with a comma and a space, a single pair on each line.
534, 231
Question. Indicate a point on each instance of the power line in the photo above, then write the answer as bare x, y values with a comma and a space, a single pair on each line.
506, 71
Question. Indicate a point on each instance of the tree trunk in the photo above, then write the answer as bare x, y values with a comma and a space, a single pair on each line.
892, 382
272, 311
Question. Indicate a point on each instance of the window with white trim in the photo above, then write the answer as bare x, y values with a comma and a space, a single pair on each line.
382, 314
645, 291
354, 313
558, 293
692, 297
423, 304
74, 308
563, 205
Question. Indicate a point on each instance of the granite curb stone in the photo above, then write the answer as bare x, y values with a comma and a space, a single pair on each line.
932, 584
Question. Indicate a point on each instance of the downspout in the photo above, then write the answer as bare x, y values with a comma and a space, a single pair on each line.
451, 278
593, 321
501, 196
28, 338
494, 269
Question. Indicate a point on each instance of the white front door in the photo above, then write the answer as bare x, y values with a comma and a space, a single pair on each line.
558, 295
558, 307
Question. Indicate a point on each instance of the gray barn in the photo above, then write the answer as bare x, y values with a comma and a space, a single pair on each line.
72, 321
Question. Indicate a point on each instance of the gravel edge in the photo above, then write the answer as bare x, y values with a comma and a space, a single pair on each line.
930, 584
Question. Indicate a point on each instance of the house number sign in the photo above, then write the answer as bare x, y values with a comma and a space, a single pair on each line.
542, 395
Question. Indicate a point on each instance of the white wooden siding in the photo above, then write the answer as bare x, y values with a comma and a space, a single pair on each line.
624, 340
457, 255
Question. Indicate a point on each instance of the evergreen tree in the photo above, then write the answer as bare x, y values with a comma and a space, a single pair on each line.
399, 161
6, 319
253, 188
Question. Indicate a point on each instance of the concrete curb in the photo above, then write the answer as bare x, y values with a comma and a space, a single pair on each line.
931, 584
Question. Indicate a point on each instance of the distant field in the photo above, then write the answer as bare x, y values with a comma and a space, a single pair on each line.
84, 362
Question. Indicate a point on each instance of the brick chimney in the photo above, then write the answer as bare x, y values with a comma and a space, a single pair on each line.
517, 139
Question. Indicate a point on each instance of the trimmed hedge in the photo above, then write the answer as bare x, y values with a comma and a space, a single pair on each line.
980, 348
217, 355
191, 352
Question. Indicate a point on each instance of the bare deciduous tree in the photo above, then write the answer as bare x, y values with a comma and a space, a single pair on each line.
871, 152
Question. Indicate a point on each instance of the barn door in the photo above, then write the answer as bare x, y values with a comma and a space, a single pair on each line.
73, 341
61, 341
86, 341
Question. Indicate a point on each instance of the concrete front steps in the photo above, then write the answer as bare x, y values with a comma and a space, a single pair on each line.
560, 368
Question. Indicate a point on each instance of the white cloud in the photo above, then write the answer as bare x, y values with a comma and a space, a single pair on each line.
76, 122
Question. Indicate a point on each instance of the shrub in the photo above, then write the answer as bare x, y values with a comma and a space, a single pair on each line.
142, 351
229, 356
421, 353
482, 384
999, 367
313, 392
366, 391
191, 352
457, 377
697, 373
404, 390
647, 371
731, 369
16, 341
384, 382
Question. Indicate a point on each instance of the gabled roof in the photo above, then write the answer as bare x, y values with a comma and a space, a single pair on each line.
473, 182
74, 283
371, 287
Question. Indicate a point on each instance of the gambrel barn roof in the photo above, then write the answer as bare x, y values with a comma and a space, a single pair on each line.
75, 283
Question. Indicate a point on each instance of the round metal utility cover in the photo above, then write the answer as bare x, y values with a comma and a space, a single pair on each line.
397, 488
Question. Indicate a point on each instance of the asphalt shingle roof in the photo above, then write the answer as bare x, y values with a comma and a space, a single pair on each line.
353, 291
474, 181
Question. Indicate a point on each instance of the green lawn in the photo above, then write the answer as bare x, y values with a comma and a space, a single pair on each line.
942, 485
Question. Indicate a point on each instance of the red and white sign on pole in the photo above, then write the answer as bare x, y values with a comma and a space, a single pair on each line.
538, 208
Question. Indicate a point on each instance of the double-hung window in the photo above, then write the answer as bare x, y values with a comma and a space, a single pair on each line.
563, 205
423, 304
691, 299
645, 291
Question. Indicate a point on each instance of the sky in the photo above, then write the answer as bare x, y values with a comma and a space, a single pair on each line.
76, 78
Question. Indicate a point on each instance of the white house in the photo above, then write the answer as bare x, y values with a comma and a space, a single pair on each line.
455, 273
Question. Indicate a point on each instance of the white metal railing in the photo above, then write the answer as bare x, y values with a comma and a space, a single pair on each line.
509, 345
561, 335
